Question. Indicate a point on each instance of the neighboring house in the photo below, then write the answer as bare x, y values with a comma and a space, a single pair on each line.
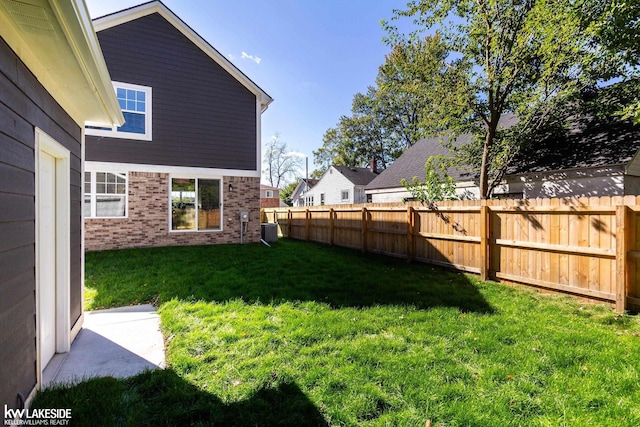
269, 196
186, 165
297, 197
387, 187
340, 185
592, 157
53, 79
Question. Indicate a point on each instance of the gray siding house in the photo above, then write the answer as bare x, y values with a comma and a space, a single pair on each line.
591, 157
53, 79
187, 161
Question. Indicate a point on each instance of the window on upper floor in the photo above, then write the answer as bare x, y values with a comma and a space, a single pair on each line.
135, 103
344, 195
268, 194
105, 195
322, 199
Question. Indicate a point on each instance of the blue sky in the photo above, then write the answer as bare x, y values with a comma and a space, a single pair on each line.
310, 56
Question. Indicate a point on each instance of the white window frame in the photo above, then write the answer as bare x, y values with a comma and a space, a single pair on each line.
342, 193
93, 194
113, 132
196, 178
321, 199
268, 194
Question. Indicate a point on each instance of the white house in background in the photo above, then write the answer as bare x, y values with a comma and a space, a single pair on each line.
340, 185
591, 157
297, 197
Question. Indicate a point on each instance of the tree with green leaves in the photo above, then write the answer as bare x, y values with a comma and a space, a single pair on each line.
531, 58
390, 116
615, 26
358, 138
437, 184
287, 191
407, 85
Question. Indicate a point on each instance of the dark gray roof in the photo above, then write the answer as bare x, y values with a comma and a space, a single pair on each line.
358, 176
311, 182
587, 142
411, 163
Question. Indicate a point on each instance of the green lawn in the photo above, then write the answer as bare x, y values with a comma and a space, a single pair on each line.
302, 334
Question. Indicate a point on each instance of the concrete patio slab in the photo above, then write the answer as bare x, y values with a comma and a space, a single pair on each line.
118, 342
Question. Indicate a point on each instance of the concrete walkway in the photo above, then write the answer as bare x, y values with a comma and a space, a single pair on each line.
118, 342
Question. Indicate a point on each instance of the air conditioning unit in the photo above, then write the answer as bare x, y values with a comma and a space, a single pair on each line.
269, 232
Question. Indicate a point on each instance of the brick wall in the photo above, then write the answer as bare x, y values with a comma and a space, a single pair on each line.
271, 202
148, 224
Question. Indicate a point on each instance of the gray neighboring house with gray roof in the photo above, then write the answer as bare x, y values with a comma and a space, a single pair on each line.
341, 185
386, 186
591, 158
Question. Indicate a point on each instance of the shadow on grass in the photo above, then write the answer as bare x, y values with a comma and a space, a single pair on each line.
288, 271
162, 398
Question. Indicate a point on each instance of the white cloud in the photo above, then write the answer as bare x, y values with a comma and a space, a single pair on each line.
296, 154
255, 59
231, 57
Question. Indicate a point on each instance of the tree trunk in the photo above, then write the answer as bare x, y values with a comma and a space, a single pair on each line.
484, 167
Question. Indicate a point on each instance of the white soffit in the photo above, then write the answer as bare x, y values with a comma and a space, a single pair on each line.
56, 41
151, 7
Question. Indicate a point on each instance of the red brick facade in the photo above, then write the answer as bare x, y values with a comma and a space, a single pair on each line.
270, 202
148, 225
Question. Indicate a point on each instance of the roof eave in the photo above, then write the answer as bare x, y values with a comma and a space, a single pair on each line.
87, 50
65, 57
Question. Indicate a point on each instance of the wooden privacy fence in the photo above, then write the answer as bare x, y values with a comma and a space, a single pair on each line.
587, 247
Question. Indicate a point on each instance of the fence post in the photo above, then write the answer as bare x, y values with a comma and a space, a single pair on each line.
331, 238
364, 229
307, 216
289, 219
410, 231
621, 258
485, 250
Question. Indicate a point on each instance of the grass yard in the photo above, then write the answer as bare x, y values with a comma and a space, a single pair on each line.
303, 334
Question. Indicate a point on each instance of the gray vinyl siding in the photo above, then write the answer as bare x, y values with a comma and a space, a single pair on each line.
633, 168
24, 105
202, 116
